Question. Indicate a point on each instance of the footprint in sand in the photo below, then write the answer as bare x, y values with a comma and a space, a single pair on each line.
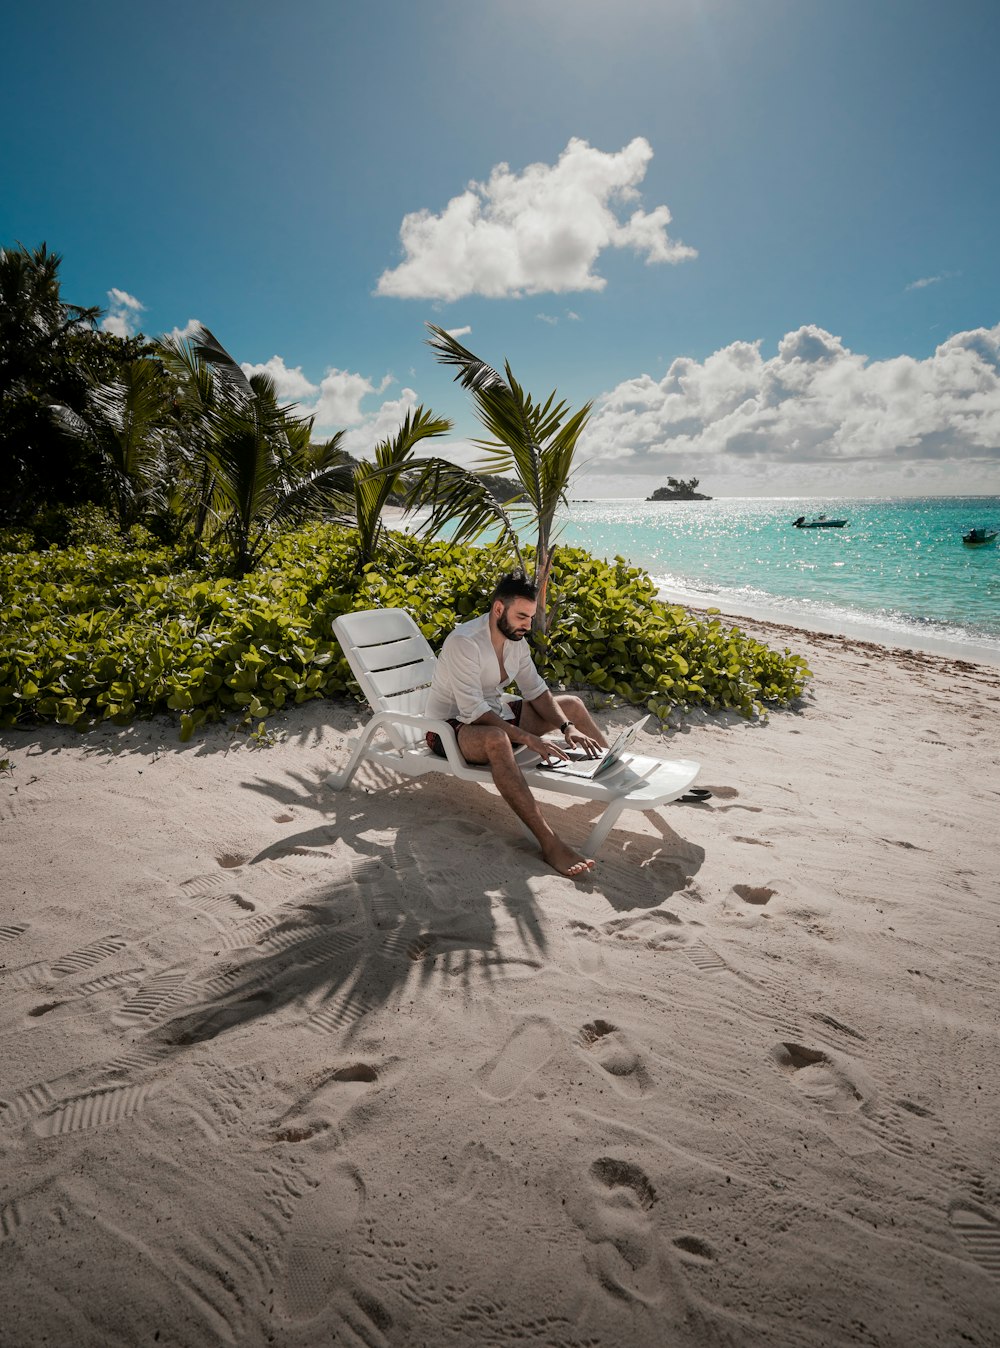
92, 1109
819, 1078
757, 895
198, 885
317, 1245
153, 999
979, 1233
333, 1094
657, 930
221, 909
613, 1211
526, 1052
80, 960
484, 1180
612, 1049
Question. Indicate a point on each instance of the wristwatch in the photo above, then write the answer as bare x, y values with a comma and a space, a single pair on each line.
564, 727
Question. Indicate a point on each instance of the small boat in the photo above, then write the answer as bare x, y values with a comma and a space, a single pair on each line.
979, 538
820, 522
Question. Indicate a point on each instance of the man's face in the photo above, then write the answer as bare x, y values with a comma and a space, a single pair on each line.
515, 619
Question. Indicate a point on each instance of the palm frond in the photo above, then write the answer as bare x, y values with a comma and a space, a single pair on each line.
234, 382
193, 374
69, 421
321, 491
458, 500
473, 373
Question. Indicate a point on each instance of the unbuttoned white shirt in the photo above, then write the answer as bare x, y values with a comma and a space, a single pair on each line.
468, 680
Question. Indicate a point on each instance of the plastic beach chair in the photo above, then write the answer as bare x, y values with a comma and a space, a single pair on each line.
394, 664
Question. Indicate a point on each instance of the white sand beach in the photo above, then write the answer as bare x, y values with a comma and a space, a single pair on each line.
282, 1065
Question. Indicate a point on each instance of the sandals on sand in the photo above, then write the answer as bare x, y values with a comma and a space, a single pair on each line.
696, 796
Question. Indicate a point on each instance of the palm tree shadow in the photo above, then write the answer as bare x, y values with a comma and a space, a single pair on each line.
398, 913
380, 920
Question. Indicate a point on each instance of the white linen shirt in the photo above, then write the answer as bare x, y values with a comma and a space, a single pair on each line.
467, 682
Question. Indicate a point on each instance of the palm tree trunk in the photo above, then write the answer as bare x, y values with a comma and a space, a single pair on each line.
544, 555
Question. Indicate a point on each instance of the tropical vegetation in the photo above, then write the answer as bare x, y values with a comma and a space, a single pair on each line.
97, 633
173, 540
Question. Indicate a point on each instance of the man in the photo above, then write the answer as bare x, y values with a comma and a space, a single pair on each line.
477, 662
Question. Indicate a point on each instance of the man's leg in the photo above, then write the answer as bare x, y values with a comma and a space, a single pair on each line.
492, 746
571, 708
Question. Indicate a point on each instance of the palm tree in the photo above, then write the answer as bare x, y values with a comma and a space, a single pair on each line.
534, 442
126, 420
372, 483
264, 473
44, 347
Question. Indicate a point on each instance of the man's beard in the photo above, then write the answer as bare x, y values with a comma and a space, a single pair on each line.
509, 631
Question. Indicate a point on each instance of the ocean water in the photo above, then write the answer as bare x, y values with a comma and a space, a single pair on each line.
898, 572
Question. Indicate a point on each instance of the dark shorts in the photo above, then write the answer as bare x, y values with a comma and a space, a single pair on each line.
434, 739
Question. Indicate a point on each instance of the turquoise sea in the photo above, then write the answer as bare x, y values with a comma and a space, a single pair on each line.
898, 573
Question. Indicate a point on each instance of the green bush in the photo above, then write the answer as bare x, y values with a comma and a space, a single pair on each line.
102, 633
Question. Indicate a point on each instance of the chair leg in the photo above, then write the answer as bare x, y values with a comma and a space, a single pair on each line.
604, 825
339, 780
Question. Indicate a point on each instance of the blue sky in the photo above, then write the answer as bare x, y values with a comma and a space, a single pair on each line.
821, 311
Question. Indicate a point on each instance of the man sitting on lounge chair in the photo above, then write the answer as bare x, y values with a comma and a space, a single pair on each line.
477, 662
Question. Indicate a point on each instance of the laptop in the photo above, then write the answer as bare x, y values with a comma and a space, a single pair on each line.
581, 766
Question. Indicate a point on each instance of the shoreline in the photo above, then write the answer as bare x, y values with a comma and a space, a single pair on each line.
774, 633
868, 633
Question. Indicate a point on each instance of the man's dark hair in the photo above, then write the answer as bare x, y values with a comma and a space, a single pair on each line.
516, 585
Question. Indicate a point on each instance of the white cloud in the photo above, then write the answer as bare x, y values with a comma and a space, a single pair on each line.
815, 406
336, 401
365, 434
123, 312
458, 332
925, 281
341, 394
291, 384
537, 232
547, 318
187, 332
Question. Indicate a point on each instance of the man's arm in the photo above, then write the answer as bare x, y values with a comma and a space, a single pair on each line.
549, 710
545, 748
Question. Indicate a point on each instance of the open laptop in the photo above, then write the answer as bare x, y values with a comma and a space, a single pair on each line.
581, 766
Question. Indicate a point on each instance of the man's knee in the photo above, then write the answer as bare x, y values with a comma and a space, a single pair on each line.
571, 706
496, 743
486, 744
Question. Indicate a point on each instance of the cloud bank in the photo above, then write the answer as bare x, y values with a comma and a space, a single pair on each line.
537, 232
336, 402
123, 313
814, 403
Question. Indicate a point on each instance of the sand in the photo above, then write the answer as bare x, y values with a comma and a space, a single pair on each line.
287, 1066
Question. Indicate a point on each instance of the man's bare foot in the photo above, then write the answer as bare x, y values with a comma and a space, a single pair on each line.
567, 862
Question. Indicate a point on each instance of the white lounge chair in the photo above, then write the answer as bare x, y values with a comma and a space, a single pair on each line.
394, 664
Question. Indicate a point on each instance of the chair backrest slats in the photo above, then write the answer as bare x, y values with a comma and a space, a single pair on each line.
391, 660
388, 655
402, 679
